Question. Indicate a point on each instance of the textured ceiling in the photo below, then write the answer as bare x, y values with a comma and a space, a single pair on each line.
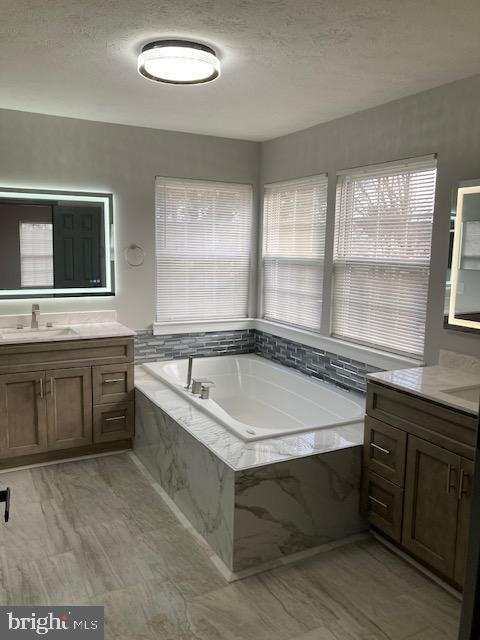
287, 64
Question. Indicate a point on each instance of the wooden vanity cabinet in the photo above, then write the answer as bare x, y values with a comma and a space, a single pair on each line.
417, 477
23, 414
59, 407
68, 394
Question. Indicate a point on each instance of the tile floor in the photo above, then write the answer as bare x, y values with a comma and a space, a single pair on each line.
95, 531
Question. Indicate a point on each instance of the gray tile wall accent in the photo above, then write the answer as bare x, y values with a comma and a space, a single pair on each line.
343, 372
149, 348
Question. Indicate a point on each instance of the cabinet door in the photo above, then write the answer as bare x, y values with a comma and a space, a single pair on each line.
23, 420
431, 505
465, 498
69, 407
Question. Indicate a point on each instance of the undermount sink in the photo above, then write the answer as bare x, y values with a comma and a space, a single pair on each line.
40, 333
471, 394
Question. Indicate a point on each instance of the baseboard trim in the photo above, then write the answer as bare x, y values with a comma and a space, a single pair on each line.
63, 456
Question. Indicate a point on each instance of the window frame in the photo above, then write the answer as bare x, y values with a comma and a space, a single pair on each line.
181, 325
371, 170
320, 261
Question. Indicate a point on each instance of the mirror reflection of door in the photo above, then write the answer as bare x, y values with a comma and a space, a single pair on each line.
78, 246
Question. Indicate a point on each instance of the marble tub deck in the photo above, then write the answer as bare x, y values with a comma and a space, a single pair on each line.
96, 532
252, 502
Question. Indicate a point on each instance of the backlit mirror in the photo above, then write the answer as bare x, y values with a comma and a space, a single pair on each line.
55, 243
463, 280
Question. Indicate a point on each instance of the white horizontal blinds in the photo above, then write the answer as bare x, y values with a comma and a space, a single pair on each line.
203, 240
383, 234
36, 254
294, 216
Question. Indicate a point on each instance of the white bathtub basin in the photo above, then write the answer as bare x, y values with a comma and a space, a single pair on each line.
256, 399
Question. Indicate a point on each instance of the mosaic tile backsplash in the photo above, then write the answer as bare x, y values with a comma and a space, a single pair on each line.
149, 348
320, 364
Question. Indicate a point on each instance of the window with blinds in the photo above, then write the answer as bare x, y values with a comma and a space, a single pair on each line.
36, 254
383, 232
203, 242
294, 217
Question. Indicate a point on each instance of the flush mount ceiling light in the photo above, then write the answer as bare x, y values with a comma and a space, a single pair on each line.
178, 62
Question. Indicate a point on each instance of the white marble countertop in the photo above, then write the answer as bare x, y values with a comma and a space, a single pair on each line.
431, 382
65, 327
235, 452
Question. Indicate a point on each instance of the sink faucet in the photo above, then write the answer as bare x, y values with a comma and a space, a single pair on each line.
35, 314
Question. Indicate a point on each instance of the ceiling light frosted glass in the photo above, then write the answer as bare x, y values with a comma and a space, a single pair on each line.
178, 62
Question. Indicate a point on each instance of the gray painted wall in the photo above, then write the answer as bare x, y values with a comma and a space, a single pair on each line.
445, 121
61, 153
51, 152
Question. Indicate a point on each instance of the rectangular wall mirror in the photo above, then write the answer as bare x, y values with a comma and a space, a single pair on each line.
55, 244
463, 280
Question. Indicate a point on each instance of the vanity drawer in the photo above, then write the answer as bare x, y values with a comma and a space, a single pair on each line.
385, 450
112, 422
382, 504
112, 383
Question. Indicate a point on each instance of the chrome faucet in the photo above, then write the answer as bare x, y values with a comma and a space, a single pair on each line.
189, 372
35, 314
201, 387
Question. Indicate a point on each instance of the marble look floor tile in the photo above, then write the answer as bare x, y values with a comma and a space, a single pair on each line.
96, 532
22, 486
230, 614
317, 634
27, 531
64, 579
22, 580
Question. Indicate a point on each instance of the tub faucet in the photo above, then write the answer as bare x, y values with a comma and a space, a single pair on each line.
201, 387
35, 314
189, 372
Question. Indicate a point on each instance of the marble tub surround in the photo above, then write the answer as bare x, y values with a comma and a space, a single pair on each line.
199, 483
253, 502
284, 508
431, 383
83, 325
234, 451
